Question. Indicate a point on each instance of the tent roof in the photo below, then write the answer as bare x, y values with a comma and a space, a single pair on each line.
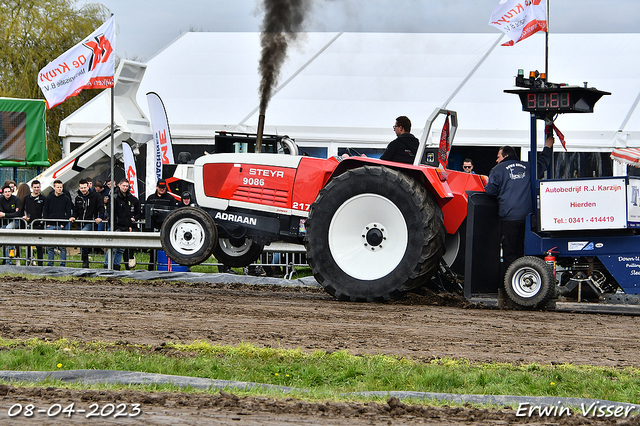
349, 87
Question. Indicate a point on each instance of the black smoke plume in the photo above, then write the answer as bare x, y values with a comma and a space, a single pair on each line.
281, 25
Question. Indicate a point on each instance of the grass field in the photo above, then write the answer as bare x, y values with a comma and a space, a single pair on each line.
325, 375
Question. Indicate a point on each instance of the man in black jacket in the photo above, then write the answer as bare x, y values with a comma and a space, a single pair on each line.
57, 208
402, 149
32, 210
88, 206
126, 213
162, 199
9, 210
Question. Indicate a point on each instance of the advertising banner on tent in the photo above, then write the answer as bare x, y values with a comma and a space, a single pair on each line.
22, 133
519, 19
130, 169
161, 134
87, 65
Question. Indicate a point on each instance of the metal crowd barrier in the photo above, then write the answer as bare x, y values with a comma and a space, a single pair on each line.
25, 234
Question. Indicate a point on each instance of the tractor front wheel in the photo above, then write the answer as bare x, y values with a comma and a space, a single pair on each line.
188, 236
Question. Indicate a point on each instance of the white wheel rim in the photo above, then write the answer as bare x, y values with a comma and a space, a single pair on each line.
526, 282
228, 248
349, 228
187, 236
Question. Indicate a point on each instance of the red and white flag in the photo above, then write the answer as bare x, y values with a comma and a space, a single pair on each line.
87, 65
519, 19
445, 144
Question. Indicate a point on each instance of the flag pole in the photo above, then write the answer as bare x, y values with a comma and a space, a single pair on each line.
546, 48
113, 186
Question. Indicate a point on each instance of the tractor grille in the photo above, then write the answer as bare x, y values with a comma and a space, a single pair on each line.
267, 196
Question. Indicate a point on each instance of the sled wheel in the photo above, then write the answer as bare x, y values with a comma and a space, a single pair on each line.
237, 252
373, 233
188, 236
529, 282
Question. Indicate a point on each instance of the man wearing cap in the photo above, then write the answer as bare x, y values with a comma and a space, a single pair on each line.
186, 201
161, 193
161, 196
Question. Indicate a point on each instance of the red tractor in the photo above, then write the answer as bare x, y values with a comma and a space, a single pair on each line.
373, 230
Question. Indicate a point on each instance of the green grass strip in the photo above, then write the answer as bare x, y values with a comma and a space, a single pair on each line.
325, 375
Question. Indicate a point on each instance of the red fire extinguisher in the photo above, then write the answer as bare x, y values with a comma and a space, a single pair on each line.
550, 259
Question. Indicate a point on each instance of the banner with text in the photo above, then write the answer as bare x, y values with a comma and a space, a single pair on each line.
161, 133
87, 65
583, 204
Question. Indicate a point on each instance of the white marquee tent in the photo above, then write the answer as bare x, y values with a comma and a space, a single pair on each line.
345, 89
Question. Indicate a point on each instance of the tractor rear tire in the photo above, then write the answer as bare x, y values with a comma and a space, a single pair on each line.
374, 234
529, 282
188, 236
237, 252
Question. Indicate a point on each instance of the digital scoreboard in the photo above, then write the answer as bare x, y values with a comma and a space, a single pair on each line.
538, 96
565, 99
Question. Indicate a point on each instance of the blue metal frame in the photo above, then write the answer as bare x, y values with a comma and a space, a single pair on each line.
620, 254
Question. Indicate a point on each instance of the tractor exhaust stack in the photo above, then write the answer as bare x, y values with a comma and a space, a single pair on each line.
260, 133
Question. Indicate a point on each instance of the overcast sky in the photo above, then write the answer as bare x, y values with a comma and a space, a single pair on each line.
144, 27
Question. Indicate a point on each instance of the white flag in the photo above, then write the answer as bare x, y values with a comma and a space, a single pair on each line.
87, 65
519, 19
161, 133
130, 169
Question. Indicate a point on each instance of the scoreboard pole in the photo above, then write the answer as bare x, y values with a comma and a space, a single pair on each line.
533, 163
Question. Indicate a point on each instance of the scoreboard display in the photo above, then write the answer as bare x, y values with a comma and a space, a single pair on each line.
564, 99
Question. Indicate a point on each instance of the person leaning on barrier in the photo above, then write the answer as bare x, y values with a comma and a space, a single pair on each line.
57, 211
32, 211
162, 197
12, 184
126, 213
9, 210
87, 206
102, 192
22, 192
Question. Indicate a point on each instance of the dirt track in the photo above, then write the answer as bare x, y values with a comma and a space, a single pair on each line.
156, 312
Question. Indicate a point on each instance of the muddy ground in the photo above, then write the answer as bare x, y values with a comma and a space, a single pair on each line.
154, 312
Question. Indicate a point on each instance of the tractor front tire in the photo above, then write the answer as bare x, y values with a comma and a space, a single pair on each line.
529, 282
374, 234
237, 252
188, 236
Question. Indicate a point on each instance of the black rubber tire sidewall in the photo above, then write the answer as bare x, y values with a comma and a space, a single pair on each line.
245, 259
210, 235
424, 223
547, 282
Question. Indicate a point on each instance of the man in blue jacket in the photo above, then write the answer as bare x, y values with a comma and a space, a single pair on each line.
510, 183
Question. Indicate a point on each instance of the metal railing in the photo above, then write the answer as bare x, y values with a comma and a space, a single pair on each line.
289, 256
